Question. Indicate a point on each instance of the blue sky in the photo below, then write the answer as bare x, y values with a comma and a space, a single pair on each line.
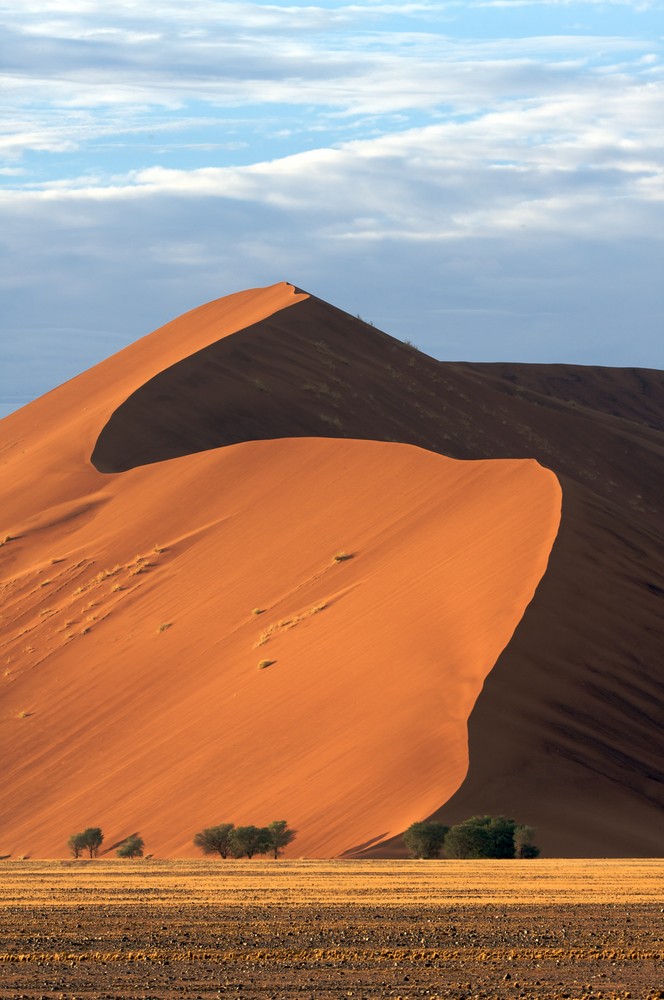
484, 178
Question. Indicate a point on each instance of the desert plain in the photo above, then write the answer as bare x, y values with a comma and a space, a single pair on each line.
190, 929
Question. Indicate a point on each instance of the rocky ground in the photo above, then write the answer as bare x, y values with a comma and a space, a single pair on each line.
152, 941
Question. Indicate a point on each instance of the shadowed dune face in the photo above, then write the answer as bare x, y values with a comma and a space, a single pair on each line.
565, 732
302, 371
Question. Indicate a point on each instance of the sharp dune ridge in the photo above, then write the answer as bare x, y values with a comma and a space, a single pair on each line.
480, 650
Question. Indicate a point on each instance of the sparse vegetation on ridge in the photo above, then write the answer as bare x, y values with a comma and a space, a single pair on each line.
331, 420
287, 623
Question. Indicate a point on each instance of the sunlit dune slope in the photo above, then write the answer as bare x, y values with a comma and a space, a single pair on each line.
565, 733
133, 642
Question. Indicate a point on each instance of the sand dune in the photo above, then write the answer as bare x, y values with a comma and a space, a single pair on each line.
136, 653
157, 501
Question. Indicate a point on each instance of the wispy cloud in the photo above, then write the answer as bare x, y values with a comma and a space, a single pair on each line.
506, 175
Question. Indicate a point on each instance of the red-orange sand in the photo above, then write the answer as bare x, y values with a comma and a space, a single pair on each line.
137, 607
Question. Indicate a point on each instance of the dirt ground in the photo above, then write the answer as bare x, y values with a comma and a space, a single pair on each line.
160, 930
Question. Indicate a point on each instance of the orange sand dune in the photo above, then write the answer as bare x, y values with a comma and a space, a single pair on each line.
131, 633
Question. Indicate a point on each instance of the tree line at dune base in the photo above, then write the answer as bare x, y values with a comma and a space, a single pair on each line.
227, 840
477, 837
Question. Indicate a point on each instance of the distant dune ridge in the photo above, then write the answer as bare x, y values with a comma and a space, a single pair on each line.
492, 641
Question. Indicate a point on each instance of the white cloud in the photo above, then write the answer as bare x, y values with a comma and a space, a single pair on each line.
569, 163
507, 194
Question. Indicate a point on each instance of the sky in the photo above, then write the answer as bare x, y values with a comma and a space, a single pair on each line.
485, 179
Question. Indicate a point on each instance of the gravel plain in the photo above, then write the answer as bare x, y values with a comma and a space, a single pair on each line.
160, 930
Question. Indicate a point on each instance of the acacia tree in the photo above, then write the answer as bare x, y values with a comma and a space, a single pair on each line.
92, 840
89, 840
278, 836
249, 840
132, 847
75, 844
216, 839
469, 839
425, 840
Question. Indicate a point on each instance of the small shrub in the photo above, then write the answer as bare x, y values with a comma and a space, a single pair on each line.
262, 664
164, 626
343, 556
332, 421
258, 611
132, 847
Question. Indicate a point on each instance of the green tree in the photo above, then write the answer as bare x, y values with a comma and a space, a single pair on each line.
216, 839
93, 838
132, 847
89, 840
76, 844
524, 842
501, 831
278, 835
481, 837
425, 840
467, 840
249, 840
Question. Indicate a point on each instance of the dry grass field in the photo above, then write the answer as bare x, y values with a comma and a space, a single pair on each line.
198, 929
